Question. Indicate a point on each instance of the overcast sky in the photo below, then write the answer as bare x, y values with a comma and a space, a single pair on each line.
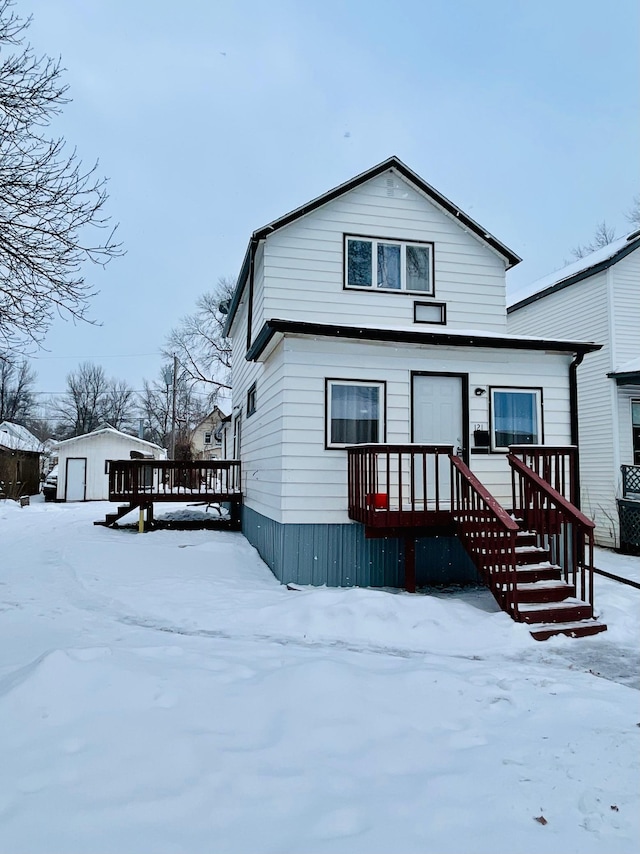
211, 118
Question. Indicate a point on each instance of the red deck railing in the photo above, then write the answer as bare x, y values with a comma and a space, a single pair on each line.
560, 526
148, 481
556, 464
399, 486
488, 534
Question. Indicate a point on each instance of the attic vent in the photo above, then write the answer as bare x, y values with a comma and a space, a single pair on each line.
390, 186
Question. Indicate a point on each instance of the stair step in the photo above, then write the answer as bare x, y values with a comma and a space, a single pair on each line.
577, 629
530, 573
531, 554
569, 610
539, 572
547, 590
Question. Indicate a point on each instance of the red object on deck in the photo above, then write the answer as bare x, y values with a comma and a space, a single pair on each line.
378, 501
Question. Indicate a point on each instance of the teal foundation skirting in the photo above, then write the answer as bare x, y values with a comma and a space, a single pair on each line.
340, 556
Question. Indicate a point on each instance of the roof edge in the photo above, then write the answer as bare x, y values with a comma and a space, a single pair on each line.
460, 339
578, 277
392, 162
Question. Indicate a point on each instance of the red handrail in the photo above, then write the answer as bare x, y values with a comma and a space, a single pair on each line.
558, 524
488, 534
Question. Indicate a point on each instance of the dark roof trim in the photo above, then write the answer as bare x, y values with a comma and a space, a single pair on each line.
456, 339
579, 277
625, 377
341, 189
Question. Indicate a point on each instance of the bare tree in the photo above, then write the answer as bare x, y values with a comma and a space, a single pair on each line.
198, 341
633, 214
119, 405
48, 199
603, 236
80, 409
17, 378
156, 407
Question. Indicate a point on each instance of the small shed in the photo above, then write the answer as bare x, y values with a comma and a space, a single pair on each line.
19, 461
82, 462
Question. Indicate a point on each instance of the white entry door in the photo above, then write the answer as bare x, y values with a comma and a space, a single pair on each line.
75, 484
437, 410
438, 419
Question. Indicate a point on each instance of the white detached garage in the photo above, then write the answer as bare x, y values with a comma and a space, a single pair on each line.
82, 469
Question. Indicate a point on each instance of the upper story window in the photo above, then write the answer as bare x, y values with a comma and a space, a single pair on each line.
388, 265
207, 438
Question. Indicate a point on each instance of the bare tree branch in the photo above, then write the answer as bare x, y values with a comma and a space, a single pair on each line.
603, 236
17, 378
198, 341
48, 199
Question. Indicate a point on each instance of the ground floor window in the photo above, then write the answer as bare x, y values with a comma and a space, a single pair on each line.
516, 417
355, 412
635, 426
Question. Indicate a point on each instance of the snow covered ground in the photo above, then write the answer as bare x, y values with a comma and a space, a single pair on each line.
163, 693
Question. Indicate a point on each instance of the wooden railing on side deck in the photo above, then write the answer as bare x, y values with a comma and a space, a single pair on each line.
558, 524
557, 464
488, 534
147, 481
399, 486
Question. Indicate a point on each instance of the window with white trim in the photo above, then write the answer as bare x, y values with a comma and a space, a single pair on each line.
516, 417
389, 265
207, 437
355, 412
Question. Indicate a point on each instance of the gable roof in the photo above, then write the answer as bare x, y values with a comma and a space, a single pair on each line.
112, 431
18, 438
390, 163
595, 262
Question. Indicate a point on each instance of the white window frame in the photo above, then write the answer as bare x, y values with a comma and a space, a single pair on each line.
537, 392
403, 244
209, 433
382, 407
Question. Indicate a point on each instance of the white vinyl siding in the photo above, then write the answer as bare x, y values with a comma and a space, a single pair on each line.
304, 263
581, 311
314, 485
626, 309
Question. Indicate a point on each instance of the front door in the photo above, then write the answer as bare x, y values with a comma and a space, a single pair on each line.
75, 483
438, 418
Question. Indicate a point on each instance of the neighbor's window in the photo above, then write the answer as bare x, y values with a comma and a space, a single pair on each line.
207, 438
355, 412
516, 417
635, 421
389, 265
251, 400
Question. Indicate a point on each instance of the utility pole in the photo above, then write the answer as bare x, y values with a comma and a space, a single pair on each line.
172, 454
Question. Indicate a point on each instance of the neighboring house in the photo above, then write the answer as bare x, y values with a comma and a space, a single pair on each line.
20, 453
82, 462
598, 297
205, 441
376, 313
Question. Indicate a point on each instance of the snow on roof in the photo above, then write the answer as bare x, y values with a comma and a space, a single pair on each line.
18, 438
631, 367
582, 265
113, 431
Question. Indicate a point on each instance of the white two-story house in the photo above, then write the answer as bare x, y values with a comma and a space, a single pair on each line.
598, 297
375, 315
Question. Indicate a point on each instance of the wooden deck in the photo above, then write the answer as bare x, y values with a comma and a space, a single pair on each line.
149, 481
397, 489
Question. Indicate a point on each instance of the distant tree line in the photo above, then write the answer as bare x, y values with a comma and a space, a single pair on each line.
90, 399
